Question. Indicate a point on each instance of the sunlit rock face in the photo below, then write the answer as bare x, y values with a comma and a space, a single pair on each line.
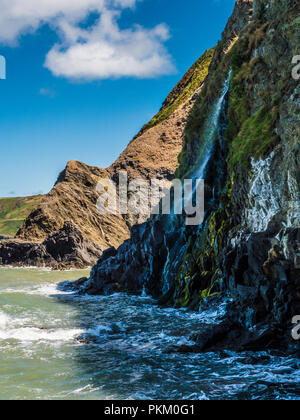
274, 193
263, 197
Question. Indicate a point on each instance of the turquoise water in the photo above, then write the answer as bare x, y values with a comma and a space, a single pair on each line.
57, 345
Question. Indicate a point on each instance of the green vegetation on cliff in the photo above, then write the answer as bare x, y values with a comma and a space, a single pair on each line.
250, 134
184, 90
192, 147
13, 212
255, 109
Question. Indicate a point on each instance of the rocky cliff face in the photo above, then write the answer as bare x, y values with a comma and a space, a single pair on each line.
248, 245
153, 153
64, 249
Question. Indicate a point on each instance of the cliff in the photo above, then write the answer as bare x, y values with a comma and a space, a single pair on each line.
153, 153
243, 133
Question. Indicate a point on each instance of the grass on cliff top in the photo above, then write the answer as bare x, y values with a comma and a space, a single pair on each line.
183, 91
13, 212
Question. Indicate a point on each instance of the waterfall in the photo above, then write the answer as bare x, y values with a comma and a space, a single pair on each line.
210, 130
209, 134
208, 139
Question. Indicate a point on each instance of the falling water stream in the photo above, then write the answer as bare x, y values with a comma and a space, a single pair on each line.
210, 130
208, 137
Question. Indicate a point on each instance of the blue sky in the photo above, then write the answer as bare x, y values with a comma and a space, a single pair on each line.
57, 106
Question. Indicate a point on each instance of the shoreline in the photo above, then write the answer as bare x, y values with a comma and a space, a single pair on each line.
45, 268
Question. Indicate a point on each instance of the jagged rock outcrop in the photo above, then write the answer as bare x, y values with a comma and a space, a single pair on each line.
73, 199
153, 153
64, 249
248, 245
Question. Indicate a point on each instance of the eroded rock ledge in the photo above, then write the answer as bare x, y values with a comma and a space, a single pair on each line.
61, 250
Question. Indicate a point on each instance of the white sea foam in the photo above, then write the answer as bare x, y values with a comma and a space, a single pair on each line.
46, 290
16, 329
4, 320
214, 315
133, 344
36, 334
85, 389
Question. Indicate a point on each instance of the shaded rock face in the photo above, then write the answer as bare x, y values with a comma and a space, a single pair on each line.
248, 245
263, 277
61, 250
153, 153
241, 16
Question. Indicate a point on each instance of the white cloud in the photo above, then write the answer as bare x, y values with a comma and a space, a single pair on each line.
47, 92
98, 52
19, 16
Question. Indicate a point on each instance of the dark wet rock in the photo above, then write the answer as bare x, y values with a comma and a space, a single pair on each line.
63, 249
256, 360
185, 349
216, 336
72, 286
83, 341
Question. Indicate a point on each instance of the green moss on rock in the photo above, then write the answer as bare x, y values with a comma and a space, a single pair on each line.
255, 137
249, 134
